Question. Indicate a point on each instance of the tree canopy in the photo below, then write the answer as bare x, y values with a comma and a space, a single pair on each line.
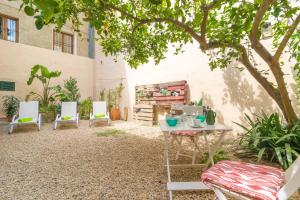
144, 29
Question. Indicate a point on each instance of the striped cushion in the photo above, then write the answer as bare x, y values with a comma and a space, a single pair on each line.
254, 181
185, 133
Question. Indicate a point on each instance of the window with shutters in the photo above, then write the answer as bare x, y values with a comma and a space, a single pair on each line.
9, 28
63, 42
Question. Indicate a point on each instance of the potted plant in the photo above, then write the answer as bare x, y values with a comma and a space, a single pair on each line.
85, 108
48, 96
10, 106
102, 95
114, 99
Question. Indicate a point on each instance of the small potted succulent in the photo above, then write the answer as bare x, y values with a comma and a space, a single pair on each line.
10, 106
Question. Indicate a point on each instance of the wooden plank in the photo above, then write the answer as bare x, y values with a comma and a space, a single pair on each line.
169, 103
142, 114
165, 84
147, 102
145, 110
143, 118
142, 106
169, 98
176, 87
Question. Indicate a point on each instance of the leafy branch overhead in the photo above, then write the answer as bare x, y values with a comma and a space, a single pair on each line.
141, 30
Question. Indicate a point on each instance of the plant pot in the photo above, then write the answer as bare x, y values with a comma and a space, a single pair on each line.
115, 114
48, 117
9, 119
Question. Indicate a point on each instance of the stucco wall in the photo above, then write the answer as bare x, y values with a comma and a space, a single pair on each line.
230, 92
16, 61
28, 34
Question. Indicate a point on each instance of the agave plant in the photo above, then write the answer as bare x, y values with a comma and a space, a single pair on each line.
42, 73
270, 139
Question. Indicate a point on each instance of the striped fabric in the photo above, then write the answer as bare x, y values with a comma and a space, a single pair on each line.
257, 182
185, 133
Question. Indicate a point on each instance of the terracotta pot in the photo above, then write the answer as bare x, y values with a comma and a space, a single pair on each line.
115, 114
9, 119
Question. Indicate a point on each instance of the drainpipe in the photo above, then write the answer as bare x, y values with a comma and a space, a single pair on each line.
91, 50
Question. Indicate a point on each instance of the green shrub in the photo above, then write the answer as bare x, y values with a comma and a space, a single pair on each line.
269, 139
85, 108
70, 91
10, 105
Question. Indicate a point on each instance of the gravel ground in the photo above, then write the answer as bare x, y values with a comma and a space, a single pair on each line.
72, 163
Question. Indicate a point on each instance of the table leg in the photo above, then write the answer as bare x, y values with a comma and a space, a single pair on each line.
211, 156
215, 148
166, 136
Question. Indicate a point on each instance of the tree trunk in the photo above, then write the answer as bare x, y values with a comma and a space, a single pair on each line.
288, 109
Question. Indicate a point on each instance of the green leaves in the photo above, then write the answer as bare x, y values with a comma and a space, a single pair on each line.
44, 76
29, 10
268, 138
70, 91
39, 23
10, 105
42, 73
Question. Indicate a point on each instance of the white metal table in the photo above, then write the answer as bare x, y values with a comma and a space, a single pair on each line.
205, 131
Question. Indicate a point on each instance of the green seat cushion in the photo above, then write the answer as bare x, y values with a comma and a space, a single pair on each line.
99, 115
66, 118
25, 119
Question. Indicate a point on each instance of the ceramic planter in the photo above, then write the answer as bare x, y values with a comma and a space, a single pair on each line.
115, 114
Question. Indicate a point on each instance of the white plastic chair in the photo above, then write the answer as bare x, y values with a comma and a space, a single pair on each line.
68, 109
99, 107
28, 109
290, 187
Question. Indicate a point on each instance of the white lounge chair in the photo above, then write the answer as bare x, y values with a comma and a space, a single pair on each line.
99, 112
68, 114
28, 114
248, 181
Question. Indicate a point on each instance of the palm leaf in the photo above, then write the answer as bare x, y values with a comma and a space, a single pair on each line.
279, 156
288, 153
284, 137
260, 154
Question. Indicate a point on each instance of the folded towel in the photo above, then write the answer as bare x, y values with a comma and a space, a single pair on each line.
25, 119
66, 118
99, 115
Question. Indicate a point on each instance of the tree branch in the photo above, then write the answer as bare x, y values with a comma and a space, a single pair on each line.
205, 9
255, 43
271, 90
175, 22
286, 38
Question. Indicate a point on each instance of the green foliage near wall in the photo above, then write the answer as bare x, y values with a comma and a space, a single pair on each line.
269, 139
10, 105
85, 108
48, 96
69, 91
